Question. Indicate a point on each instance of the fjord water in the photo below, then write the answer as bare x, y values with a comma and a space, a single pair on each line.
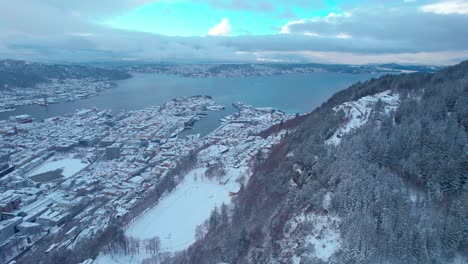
292, 93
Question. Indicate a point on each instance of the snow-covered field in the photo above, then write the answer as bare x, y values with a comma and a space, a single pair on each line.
358, 112
69, 166
175, 218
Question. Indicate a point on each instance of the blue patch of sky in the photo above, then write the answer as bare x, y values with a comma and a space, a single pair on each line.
180, 18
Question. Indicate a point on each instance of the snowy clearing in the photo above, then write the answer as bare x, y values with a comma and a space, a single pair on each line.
358, 112
175, 218
325, 237
69, 166
321, 233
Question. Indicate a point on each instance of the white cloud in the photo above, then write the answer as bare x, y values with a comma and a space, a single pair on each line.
221, 29
81, 34
275, 60
331, 18
286, 28
459, 7
343, 36
311, 34
335, 15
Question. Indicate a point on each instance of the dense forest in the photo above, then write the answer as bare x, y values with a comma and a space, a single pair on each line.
398, 184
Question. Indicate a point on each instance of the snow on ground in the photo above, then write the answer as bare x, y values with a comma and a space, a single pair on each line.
70, 167
211, 153
326, 203
296, 260
118, 259
325, 238
459, 259
230, 180
175, 218
358, 112
313, 230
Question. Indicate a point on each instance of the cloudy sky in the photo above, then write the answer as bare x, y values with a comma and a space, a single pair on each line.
348, 31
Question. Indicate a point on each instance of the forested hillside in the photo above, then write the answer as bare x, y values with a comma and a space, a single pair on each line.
15, 73
391, 191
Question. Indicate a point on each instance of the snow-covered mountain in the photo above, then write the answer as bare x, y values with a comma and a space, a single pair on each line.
375, 175
15, 73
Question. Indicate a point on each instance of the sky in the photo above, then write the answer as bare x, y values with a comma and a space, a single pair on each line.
290, 31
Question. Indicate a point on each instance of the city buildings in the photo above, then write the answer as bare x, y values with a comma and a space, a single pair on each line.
84, 170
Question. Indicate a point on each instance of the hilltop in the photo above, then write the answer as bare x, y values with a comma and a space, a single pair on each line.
17, 73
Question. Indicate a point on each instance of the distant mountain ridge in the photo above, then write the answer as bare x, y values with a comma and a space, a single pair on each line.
261, 69
415, 68
17, 73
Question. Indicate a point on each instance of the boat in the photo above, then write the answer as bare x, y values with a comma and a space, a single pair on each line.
9, 109
43, 102
238, 105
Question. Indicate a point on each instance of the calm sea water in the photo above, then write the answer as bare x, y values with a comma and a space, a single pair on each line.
296, 93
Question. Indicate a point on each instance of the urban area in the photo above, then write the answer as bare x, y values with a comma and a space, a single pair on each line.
65, 179
53, 92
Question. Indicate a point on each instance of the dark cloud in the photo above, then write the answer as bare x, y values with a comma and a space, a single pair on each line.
63, 30
392, 30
